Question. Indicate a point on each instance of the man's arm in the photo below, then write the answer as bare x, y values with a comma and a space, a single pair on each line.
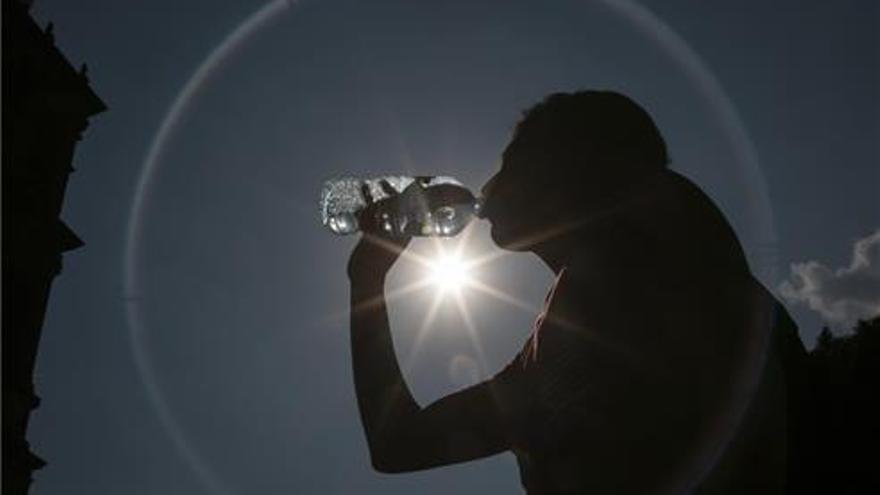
403, 436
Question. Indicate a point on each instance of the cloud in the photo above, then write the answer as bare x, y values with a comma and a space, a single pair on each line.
844, 295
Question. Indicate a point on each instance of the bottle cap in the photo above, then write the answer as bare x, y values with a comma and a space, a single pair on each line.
478, 206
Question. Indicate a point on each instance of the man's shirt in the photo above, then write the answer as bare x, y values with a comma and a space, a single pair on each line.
654, 366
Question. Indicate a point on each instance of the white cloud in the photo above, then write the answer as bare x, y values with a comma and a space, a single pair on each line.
844, 295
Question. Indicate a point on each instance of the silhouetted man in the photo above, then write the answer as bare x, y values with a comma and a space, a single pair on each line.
655, 364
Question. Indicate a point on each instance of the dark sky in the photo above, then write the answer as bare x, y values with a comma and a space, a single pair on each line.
210, 355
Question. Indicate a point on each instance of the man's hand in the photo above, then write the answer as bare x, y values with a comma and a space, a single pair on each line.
374, 255
377, 250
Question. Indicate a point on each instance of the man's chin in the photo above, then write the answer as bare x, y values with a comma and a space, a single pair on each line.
505, 240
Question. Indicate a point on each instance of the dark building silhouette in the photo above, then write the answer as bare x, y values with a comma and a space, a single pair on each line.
46, 106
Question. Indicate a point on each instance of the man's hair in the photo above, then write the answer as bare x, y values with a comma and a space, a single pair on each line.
594, 135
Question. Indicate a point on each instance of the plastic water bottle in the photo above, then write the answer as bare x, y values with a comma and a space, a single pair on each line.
402, 206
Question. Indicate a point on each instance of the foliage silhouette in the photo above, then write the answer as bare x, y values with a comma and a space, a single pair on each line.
845, 378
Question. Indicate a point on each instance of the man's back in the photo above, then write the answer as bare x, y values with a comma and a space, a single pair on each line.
651, 349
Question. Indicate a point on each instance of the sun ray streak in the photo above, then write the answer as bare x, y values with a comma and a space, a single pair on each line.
423, 332
407, 254
464, 239
503, 296
472, 332
489, 257
390, 296
556, 231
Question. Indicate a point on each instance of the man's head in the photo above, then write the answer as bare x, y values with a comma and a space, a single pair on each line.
569, 154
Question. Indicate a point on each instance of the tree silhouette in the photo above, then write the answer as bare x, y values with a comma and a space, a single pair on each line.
845, 376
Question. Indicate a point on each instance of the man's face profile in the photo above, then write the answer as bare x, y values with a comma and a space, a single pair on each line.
570, 156
518, 202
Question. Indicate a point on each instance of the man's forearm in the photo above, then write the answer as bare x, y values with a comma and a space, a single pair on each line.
383, 396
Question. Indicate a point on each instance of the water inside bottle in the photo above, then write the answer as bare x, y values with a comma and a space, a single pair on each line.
342, 199
342, 223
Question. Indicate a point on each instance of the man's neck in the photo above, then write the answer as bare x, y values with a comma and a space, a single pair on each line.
557, 253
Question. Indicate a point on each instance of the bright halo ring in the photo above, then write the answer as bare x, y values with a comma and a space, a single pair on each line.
645, 22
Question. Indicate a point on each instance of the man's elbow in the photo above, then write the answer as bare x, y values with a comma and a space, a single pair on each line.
396, 450
388, 462
385, 466
398, 454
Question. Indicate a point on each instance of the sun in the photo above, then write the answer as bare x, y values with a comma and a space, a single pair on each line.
449, 272
452, 271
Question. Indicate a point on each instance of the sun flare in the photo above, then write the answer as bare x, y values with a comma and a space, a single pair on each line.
449, 273
453, 271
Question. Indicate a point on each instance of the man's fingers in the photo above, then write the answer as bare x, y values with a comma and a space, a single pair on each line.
387, 188
391, 244
367, 194
367, 216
